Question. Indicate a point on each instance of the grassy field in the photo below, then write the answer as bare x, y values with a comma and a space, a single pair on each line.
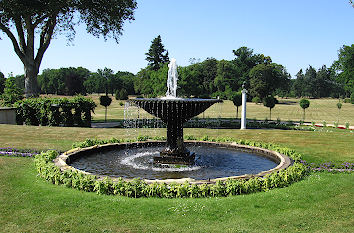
319, 146
288, 109
322, 202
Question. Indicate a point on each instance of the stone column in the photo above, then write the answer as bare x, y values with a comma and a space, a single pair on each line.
243, 112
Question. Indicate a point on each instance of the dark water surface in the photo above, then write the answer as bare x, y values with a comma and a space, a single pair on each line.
211, 162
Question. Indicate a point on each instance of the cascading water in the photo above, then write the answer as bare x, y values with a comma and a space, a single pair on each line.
174, 112
172, 79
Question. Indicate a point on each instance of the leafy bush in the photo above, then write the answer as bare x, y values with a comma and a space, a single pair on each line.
55, 111
138, 188
256, 100
11, 94
347, 100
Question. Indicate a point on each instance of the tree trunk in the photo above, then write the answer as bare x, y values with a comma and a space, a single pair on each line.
304, 116
270, 114
236, 112
31, 86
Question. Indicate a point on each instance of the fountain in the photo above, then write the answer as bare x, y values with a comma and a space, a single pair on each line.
171, 161
174, 112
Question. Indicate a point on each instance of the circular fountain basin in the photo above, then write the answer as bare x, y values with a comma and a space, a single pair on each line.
214, 161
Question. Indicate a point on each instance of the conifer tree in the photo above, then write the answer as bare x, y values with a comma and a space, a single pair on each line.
157, 54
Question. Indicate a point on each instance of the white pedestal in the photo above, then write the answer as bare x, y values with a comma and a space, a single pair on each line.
243, 112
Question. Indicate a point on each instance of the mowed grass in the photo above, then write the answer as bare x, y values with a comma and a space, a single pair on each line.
318, 147
320, 203
320, 110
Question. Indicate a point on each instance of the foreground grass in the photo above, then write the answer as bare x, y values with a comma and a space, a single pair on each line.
316, 147
320, 203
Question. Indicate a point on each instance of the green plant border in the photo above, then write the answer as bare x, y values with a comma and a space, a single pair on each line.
139, 188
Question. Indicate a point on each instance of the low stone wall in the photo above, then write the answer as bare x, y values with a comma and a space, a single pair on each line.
8, 115
283, 161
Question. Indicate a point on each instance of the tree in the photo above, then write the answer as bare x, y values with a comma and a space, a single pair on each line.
95, 83
63, 81
46, 18
266, 78
12, 93
109, 80
121, 94
304, 103
298, 84
339, 106
226, 76
269, 101
2, 82
157, 54
237, 100
344, 68
105, 101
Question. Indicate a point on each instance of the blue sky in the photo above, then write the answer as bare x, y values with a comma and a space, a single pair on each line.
295, 34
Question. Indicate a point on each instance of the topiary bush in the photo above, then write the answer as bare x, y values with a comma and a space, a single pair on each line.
304, 103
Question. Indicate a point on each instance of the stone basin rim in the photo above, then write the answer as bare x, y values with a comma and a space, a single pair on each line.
186, 100
63, 160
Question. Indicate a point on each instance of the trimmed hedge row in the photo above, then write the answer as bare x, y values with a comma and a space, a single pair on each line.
55, 111
139, 188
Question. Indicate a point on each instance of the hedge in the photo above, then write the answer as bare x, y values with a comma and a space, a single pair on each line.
138, 188
55, 111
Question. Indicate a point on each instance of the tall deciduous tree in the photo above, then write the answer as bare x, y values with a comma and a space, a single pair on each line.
157, 54
22, 20
2, 82
344, 68
266, 78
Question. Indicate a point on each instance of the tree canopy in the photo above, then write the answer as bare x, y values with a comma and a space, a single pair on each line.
47, 17
344, 68
2, 82
157, 54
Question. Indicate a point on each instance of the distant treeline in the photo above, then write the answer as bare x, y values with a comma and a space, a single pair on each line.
208, 78
73, 81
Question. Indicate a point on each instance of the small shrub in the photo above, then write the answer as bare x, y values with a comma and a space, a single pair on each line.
347, 125
324, 124
256, 100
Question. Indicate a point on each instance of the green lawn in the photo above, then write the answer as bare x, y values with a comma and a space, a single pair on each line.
320, 203
316, 147
323, 202
288, 109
